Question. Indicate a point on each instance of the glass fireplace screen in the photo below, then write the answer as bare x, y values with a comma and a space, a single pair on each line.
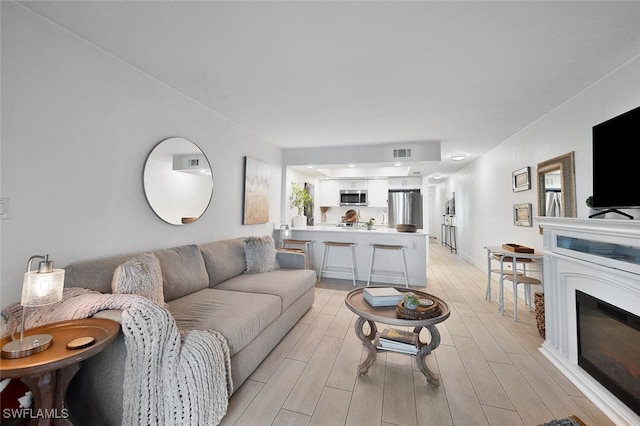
609, 347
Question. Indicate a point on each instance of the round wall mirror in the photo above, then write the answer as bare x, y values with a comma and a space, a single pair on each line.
178, 181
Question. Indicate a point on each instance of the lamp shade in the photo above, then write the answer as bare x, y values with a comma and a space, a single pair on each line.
284, 234
39, 289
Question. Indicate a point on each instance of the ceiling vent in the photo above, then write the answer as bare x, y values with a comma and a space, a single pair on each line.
191, 163
402, 153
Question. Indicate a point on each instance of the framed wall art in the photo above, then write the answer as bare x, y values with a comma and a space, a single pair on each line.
450, 205
522, 214
521, 179
256, 192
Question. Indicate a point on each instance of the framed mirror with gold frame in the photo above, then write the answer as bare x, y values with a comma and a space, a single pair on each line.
556, 183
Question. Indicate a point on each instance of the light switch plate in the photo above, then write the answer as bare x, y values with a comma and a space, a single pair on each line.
4, 208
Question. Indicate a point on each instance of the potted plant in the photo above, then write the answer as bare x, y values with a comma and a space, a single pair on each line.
410, 301
370, 224
592, 211
299, 200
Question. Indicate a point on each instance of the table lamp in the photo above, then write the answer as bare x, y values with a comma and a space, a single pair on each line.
285, 233
39, 288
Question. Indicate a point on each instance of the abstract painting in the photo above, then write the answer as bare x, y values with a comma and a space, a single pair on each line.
256, 192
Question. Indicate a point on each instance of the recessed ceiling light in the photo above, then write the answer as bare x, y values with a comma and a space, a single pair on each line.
352, 165
398, 164
458, 157
309, 167
436, 177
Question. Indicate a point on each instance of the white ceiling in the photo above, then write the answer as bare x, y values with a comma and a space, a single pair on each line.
322, 74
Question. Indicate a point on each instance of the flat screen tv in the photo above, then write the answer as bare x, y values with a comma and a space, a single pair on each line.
616, 164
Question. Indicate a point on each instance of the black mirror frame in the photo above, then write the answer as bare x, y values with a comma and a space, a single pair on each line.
185, 220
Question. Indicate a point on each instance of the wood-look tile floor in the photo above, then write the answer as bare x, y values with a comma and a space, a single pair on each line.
491, 370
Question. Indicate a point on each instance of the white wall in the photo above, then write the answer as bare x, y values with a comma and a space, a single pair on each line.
484, 199
77, 126
291, 175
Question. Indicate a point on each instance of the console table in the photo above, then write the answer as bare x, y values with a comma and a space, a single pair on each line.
448, 237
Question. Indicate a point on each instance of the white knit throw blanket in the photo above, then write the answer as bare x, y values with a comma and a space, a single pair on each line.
171, 376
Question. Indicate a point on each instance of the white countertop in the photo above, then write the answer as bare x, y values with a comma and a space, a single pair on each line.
349, 229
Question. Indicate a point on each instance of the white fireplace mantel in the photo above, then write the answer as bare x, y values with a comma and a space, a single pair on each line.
591, 269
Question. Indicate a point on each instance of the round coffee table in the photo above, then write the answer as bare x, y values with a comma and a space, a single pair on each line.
387, 315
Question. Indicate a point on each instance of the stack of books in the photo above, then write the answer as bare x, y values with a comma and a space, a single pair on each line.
382, 296
398, 340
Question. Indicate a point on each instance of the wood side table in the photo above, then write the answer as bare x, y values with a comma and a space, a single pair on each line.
387, 315
49, 373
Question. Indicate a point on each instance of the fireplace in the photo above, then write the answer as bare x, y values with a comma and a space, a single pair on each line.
600, 259
609, 347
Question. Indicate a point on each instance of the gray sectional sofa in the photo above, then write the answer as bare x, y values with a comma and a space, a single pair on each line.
205, 287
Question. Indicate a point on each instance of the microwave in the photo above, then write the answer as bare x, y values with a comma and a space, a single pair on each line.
353, 197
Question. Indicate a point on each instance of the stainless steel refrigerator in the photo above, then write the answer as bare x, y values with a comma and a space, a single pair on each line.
405, 206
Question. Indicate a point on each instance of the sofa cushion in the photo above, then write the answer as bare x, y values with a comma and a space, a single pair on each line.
291, 260
287, 284
240, 317
224, 259
260, 254
95, 274
183, 271
140, 275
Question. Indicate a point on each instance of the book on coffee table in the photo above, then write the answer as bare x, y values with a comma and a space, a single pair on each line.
398, 340
382, 296
402, 336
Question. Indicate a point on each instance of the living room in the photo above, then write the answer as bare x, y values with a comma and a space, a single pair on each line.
78, 123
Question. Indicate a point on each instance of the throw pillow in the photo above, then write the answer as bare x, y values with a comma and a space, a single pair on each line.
140, 275
260, 254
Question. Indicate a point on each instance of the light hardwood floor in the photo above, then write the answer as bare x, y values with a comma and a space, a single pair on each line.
491, 370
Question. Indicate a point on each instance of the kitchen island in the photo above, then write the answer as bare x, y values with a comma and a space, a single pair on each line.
386, 261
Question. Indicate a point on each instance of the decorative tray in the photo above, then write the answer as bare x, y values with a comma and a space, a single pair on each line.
428, 308
406, 227
517, 248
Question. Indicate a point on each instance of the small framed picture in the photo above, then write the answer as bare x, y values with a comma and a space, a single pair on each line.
522, 214
520, 179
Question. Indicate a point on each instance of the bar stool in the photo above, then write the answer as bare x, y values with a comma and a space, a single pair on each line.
527, 281
308, 249
502, 272
517, 275
325, 254
399, 248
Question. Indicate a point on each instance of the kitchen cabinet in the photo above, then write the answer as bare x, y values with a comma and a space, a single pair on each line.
378, 192
353, 184
329, 193
405, 183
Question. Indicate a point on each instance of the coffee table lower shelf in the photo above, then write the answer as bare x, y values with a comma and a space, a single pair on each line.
422, 353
